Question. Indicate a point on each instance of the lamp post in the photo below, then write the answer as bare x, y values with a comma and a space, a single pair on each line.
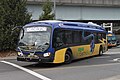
54, 9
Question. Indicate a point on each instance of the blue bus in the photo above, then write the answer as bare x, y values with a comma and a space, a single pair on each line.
54, 41
112, 40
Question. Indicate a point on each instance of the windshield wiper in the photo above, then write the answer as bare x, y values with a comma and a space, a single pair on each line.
22, 44
46, 43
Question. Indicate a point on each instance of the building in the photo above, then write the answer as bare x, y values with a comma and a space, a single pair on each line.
97, 11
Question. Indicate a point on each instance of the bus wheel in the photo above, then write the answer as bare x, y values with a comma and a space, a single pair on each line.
100, 51
68, 57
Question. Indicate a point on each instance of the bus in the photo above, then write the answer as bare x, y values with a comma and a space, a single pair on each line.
53, 41
112, 40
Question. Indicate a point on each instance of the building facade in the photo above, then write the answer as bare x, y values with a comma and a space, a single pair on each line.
98, 11
79, 9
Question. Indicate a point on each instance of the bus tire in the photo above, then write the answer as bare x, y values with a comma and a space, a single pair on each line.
68, 57
100, 51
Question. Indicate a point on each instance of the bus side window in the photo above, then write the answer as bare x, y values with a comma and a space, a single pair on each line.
57, 38
77, 37
67, 37
99, 37
59, 42
87, 40
95, 37
104, 35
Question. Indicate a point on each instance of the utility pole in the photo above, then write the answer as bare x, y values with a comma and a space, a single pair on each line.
54, 9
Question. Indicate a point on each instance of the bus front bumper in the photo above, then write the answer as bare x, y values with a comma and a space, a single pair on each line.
35, 58
45, 60
111, 45
28, 59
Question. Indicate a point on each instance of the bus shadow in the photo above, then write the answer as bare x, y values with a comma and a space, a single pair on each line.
52, 65
96, 60
89, 61
43, 65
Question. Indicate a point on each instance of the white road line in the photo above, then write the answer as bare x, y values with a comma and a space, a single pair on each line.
117, 59
103, 57
112, 78
27, 70
111, 53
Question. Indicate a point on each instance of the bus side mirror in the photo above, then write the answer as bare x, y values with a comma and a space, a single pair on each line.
17, 27
13, 29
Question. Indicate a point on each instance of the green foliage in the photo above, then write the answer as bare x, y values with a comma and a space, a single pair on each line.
47, 11
12, 13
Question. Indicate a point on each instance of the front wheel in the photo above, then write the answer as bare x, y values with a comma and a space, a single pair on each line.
68, 57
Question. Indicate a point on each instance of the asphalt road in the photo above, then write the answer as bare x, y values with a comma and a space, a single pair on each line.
106, 67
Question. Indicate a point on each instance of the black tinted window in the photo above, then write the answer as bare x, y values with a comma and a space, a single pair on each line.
77, 37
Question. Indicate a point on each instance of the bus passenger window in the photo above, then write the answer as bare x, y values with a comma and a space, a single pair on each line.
99, 37
95, 37
77, 37
68, 37
104, 35
57, 39
87, 37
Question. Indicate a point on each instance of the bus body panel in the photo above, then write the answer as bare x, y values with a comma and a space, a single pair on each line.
84, 51
60, 56
78, 52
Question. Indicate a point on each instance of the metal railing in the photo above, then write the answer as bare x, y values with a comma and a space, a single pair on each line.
78, 2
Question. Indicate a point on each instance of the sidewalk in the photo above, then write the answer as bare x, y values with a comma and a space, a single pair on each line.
7, 58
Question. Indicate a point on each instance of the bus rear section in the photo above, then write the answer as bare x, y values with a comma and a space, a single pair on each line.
78, 43
112, 40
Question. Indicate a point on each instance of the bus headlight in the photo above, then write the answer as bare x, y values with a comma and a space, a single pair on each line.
46, 54
20, 54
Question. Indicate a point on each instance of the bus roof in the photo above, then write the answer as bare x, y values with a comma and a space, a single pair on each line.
68, 25
110, 34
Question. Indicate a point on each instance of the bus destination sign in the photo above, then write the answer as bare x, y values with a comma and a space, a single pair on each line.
36, 29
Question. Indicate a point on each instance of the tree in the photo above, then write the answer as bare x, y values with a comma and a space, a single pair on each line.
12, 13
47, 11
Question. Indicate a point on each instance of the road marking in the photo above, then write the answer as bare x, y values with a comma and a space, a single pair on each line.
27, 70
112, 53
76, 67
103, 57
117, 59
112, 78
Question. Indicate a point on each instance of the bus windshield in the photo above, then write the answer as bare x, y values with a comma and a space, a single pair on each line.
111, 38
35, 38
